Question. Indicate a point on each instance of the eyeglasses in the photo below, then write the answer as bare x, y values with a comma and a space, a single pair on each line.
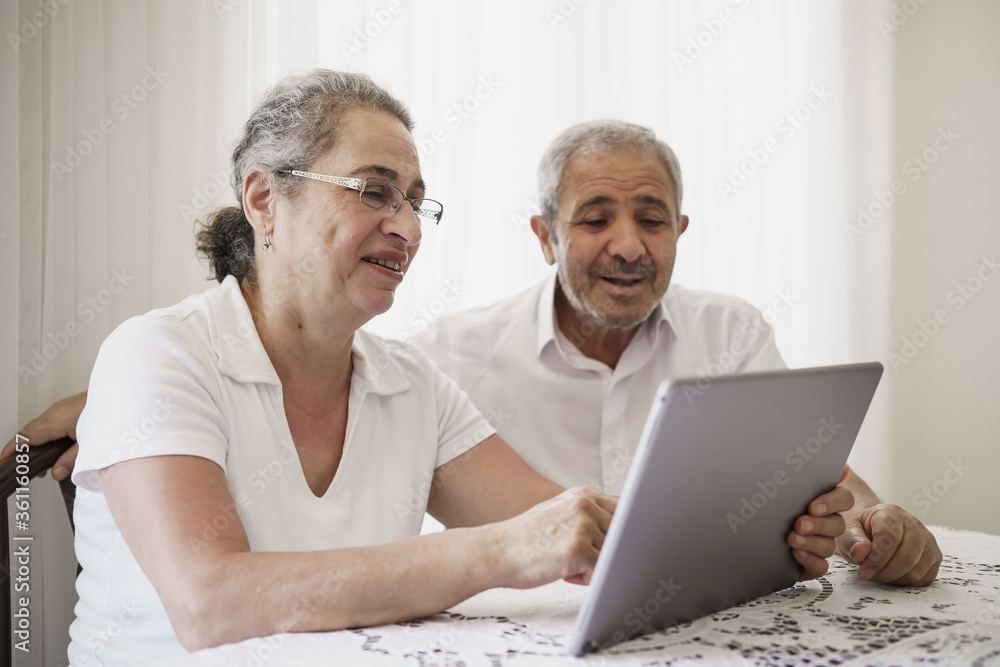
377, 194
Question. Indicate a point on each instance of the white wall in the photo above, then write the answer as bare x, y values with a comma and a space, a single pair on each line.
946, 399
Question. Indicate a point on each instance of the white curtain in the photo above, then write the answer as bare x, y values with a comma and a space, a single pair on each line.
119, 116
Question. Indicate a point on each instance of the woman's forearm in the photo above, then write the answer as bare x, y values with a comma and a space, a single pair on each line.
221, 592
250, 594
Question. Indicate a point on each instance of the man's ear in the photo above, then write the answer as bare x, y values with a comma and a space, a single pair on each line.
544, 238
684, 225
259, 202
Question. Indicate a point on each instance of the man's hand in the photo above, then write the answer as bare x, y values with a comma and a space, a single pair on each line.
814, 537
59, 421
890, 545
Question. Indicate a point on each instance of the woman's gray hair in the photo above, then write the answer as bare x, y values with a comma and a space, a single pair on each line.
596, 138
294, 124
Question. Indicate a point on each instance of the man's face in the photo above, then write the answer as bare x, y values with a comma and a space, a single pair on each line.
615, 236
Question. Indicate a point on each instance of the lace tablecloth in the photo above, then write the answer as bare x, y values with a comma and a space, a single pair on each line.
839, 619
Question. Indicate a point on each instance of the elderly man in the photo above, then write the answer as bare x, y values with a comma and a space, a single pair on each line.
567, 370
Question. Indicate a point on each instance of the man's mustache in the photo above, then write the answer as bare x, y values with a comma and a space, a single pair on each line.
621, 267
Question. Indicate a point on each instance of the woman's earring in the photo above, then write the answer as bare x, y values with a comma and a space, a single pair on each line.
267, 242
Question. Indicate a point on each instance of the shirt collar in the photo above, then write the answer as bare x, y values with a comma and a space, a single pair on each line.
375, 367
234, 337
241, 353
546, 315
662, 316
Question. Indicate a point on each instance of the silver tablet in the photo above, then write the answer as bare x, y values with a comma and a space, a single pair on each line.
723, 468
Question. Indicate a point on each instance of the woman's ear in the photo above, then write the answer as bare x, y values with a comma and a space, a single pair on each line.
259, 201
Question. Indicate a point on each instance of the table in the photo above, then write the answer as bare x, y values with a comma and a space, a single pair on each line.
839, 619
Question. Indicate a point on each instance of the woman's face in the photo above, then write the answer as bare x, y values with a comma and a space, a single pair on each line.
330, 243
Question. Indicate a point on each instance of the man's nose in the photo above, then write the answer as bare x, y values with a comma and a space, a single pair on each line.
626, 240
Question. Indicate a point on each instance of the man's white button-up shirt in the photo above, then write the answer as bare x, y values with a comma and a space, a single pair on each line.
574, 419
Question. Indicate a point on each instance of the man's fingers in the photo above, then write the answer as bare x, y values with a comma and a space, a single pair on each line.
853, 544
38, 431
839, 500
11, 446
926, 570
828, 526
813, 566
915, 562
59, 421
823, 547
906, 556
65, 464
843, 475
7, 450
886, 537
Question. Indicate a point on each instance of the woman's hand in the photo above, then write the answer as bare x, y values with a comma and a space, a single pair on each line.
556, 539
59, 421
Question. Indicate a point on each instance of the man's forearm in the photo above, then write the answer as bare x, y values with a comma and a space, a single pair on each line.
864, 497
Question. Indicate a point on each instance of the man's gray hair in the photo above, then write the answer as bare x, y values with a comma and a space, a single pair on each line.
596, 138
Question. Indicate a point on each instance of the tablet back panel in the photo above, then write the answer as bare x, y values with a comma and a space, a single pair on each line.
723, 469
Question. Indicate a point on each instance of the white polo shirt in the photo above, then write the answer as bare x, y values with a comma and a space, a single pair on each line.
195, 380
574, 419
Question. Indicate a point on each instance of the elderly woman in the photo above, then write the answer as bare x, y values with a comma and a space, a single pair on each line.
281, 450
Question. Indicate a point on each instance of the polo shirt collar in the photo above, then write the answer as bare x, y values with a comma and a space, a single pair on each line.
662, 316
546, 315
241, 353
375, 367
